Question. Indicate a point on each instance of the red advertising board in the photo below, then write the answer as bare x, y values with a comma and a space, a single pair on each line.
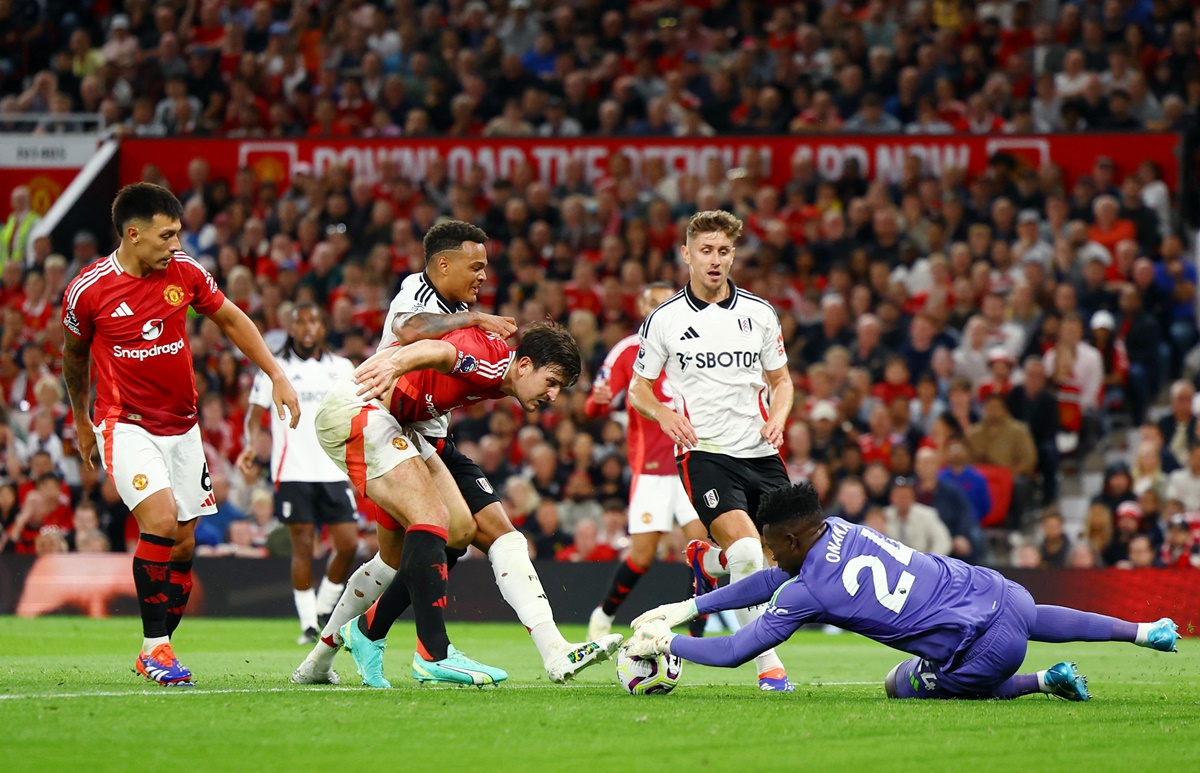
881, 156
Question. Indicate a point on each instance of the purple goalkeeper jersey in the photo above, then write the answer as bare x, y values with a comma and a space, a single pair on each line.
857, 579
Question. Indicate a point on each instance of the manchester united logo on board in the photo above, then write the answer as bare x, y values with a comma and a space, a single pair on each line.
139, 482
399, 443
173, 294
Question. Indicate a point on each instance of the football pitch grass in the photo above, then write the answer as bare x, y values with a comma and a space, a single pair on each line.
70, 700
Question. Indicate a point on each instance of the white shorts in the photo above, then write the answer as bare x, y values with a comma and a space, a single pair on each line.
658, 502
362, 437
141, 464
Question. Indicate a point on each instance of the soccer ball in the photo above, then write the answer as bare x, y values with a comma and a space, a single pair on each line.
645, 676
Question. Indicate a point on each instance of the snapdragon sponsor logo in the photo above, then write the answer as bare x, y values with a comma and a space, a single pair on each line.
175, 347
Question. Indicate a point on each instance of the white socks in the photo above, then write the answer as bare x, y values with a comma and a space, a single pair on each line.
712, 563
148, 644
744, 558
522, 590
328, 595
364, 586
1041, 677
306, 607
1142, 639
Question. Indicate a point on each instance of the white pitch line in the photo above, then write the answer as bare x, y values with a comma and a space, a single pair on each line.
163, 692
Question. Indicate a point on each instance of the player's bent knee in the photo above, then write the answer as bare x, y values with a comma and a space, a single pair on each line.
889, 682
744, 556
491, 523
461, 532
184, 547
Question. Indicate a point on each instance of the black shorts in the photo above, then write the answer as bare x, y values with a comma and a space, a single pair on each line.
717, 483
476, 489
324, 504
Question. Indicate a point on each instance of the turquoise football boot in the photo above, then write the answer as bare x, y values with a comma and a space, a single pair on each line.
456, 668
367, 654
1065, 683
1162, 635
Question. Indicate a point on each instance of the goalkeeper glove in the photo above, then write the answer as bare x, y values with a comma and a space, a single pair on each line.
650, 640
672, 614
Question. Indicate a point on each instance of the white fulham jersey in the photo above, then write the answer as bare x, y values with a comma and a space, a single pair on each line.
418, 296
715, 355
295, 453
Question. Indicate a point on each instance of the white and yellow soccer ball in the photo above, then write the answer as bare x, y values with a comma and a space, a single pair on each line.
655, 675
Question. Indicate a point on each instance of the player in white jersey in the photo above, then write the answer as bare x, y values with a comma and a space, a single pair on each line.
428, 306
310, 490
722, 350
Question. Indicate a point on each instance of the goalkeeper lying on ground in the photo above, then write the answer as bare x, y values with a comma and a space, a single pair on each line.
966, 626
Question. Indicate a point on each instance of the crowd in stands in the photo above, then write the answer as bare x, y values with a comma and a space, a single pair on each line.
955, 340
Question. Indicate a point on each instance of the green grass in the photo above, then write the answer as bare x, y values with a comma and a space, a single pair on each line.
244, 715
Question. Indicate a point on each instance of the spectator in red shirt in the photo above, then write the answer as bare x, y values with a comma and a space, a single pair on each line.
1000, 369
896, 382
587, 547
979, 118
1109, 229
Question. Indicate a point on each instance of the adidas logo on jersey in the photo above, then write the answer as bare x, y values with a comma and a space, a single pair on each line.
689, 334
122, 311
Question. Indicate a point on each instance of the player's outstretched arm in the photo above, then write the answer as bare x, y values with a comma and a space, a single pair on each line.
238, 328
424, 326
377, 376
779, 381
752, 591
749, 642
76, 361
675, 426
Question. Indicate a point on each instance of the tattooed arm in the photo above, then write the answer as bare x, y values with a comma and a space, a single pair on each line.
76, 360
423, 326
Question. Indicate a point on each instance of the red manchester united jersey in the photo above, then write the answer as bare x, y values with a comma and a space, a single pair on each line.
482, 361
651, 452
137, 327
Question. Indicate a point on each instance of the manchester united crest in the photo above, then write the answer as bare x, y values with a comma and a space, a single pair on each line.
173, 294
399, 443
140, 482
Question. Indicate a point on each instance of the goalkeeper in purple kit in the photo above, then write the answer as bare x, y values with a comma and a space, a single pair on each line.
966, 626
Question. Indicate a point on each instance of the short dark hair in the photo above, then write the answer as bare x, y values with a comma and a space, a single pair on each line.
143, 201
549, 344
797, 502
449, 235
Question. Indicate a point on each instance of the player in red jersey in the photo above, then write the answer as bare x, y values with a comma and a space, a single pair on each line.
381, 452
429, 306
657, 499
128, 312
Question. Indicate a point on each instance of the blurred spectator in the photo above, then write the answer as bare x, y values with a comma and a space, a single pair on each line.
852, 501
914, 524
960, 473
1184, 483
1178, 427
1000, 440
1055, 548
948, 501
586, 546
1128, 522
578, 502
546, 535
14, 236
1179, 549
1141, 554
